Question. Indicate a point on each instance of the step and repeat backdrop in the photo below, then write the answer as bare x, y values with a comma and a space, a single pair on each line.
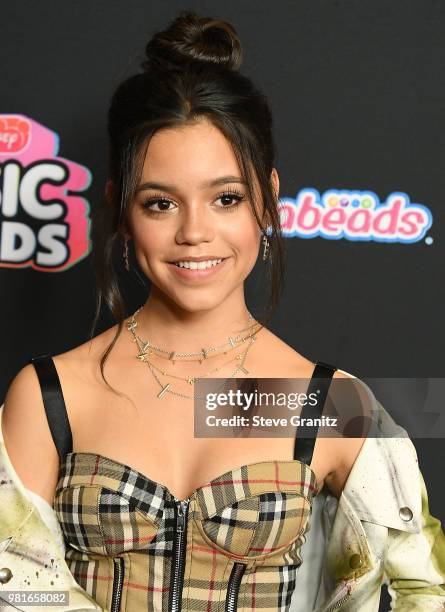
357, 91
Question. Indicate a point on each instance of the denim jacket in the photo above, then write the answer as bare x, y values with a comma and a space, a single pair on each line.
379, 530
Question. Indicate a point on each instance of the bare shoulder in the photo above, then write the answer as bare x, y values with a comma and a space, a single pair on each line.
25, 428
80, 358
27, 436
334, 456
275, 358
79, 367
344, 449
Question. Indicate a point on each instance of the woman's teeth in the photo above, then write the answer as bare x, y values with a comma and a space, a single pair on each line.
198, 265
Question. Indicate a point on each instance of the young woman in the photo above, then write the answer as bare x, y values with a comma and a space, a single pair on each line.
152, 517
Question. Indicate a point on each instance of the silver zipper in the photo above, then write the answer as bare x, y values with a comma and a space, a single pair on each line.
340, 601
236, 574
117, 584
179, 554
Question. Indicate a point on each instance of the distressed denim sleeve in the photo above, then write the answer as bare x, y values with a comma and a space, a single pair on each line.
415, 564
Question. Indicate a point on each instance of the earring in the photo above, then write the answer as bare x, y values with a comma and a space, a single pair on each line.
125, 255
265, 246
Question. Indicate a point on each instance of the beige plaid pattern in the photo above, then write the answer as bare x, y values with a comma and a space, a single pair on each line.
256, 515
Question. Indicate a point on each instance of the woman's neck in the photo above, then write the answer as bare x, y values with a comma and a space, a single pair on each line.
186, 330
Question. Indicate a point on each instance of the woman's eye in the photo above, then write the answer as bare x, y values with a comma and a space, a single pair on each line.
235, 196
159, 205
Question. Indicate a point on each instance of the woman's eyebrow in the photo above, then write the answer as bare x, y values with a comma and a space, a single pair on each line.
222, 180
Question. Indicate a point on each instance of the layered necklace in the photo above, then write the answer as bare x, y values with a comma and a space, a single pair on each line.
146, 348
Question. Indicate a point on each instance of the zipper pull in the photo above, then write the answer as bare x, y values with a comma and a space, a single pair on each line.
181, 505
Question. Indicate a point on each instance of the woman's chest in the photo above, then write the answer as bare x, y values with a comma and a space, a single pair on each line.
159, 436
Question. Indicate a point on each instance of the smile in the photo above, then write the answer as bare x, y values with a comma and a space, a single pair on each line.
198, 265
197, 269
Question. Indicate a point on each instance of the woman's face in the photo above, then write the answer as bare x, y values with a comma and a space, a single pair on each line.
192, 203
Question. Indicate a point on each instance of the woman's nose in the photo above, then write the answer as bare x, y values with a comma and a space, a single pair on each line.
195, 226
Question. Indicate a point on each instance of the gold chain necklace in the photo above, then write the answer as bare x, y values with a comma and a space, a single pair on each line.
142, 356
191, 379
204, 353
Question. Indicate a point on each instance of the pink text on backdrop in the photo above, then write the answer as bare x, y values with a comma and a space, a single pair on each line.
354, 215
44, 221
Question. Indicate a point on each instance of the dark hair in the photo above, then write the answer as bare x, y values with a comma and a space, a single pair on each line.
190, 72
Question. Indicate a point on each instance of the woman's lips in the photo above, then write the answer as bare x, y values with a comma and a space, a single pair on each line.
198, 274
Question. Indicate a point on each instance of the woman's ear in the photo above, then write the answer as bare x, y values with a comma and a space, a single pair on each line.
275, 181
276, 187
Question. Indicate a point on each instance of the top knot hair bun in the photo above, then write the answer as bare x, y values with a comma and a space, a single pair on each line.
190, 38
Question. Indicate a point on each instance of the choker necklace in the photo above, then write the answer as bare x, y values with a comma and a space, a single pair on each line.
143, 356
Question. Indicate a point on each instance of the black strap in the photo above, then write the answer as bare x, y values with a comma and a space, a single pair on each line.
54, 404
59, 424
306, 435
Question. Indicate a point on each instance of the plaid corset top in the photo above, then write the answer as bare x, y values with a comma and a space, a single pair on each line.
233, 544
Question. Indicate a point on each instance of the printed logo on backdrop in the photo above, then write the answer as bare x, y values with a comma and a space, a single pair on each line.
354, 215
44, 220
